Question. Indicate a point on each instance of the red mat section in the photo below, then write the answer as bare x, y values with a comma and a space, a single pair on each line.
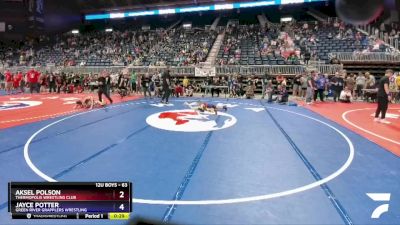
359, 118
27, 108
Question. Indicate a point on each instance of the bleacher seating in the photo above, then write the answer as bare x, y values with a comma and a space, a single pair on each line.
242, 45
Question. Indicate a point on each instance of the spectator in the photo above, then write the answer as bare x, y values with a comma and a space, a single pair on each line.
19, 82
370, 81
9, 82
321, 86
307, 57
311, 87
337, 84
60, 82
360, 84
133, 81
296, 85
33, 79
397, 98
145, 82
350, 82
2, 82
283, 96
215, 89
185, 82
303, 82
189, 90
250, 87
334, 60
345, 95
52, 83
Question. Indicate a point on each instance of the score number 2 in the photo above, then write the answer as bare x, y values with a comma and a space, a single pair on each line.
121, 196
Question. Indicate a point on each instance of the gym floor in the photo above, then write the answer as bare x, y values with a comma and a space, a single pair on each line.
257, 163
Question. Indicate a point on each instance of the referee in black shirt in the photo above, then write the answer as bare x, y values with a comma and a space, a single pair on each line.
166, 86
383, 97
102, 83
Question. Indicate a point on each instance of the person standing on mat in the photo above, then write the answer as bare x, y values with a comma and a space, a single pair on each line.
33, 79
52, 83
146, 85
311, 87
321, 83
102, 84
166, 85
383, 97
337, 83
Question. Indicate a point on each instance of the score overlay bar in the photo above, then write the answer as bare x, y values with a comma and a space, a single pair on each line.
70, 200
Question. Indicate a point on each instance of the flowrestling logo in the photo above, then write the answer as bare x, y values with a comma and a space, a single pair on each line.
190, 121
12, 105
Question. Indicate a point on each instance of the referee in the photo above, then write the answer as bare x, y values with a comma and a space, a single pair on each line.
166, 86
383, 97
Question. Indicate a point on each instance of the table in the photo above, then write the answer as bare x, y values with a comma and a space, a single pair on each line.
375, 91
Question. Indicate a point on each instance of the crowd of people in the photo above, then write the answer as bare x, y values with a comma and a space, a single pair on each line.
294, 41
253, 41
343, 86
287, 42
177, 47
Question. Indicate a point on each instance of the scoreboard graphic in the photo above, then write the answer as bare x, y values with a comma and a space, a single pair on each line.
70, 200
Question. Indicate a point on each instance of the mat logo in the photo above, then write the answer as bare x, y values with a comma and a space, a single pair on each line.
11, 105
379, 197
190, 121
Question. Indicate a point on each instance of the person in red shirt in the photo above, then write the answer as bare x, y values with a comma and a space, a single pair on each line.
22, 83
9, 81
33, 79
17, 81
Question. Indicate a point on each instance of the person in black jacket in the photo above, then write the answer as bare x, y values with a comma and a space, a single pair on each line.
337, 83
146, 85
102, 82
307, 57
166, 86
52, 83
383, 97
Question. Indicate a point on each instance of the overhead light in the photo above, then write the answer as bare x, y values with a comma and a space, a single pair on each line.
166, 11
256, 4
216, 7
75, 31
142, 13
223, 6
286, 19
109, 30
283, 2
117, 15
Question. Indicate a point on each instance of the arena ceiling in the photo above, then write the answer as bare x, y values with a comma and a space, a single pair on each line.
90, 6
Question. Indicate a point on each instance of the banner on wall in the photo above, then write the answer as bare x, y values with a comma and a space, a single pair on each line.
204, 71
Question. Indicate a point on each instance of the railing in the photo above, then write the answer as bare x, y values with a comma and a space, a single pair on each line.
259, 70
190, 70
138, 69
387, 57
371, 30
